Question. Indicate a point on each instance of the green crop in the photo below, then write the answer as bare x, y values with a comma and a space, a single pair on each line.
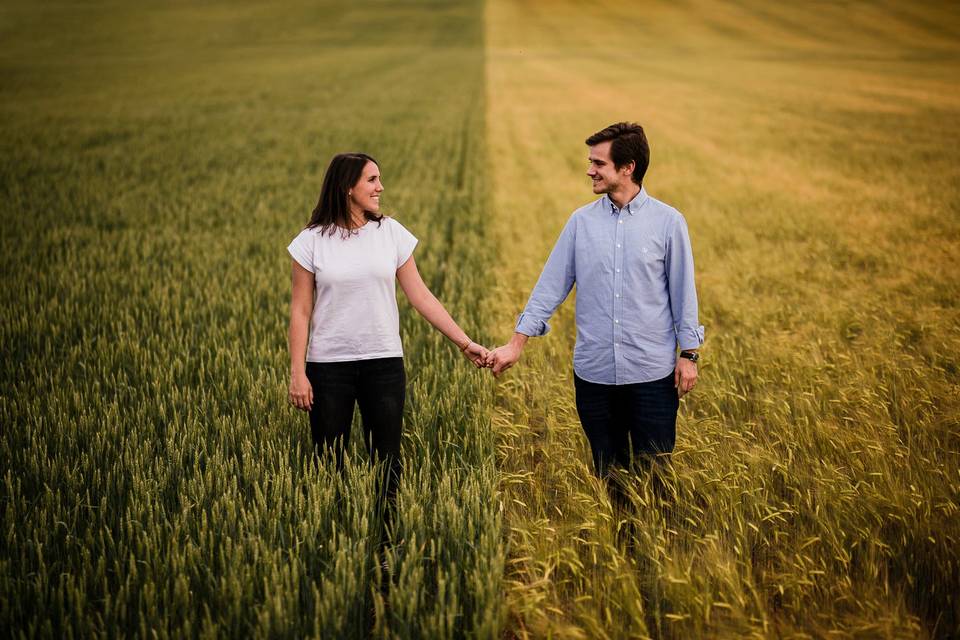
156, 161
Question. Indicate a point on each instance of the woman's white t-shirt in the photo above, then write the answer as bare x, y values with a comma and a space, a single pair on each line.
355, 313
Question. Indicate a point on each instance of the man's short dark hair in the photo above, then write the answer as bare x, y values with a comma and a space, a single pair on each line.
629, 144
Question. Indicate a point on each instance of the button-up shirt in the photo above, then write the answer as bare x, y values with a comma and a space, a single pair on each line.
636, 300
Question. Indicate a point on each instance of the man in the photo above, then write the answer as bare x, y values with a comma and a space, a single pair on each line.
630, 257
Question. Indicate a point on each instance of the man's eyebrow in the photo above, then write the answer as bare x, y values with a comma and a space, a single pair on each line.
597, 160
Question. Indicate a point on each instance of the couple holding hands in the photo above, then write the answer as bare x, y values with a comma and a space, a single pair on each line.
628, 253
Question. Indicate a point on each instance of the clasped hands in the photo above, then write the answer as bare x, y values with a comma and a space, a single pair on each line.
497, 360
502, 358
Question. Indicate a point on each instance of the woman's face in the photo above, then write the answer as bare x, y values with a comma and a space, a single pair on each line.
365, 195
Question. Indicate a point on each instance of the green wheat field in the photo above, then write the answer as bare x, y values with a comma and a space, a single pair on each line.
157, 157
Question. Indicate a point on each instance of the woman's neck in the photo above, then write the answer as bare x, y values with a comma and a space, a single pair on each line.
357, 219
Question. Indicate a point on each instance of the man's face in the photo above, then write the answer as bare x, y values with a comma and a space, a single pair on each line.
606, 178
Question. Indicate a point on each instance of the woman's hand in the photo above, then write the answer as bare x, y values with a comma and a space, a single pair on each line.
301, 393
476, 353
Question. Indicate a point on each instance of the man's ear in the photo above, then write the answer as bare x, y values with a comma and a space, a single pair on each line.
629, 167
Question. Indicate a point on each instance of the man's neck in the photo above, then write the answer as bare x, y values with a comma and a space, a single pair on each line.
622, 196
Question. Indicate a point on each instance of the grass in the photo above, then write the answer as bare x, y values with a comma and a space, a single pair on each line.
156, 160
814, 488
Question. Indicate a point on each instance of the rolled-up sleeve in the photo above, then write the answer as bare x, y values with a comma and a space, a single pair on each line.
681, 288
554, 285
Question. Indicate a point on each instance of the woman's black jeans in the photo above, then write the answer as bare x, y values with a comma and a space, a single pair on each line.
378, 386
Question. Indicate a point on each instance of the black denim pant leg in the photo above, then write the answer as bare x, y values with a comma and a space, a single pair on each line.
650, 410
334, 397
651, 413
606, 434
381, 395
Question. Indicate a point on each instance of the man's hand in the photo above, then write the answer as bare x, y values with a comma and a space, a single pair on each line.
684, 376
477, 354
301, 392
502, 358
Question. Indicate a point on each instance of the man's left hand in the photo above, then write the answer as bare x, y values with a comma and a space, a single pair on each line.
684, 376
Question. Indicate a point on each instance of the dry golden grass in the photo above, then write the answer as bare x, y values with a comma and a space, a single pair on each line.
813, 151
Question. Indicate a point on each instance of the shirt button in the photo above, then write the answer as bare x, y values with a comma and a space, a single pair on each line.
618, 246
618, 295
618, 270
617, 321
619, 221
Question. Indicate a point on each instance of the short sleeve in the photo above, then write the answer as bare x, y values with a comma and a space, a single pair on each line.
406, 242
301, 249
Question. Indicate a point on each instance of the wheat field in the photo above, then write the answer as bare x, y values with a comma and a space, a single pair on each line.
158, 157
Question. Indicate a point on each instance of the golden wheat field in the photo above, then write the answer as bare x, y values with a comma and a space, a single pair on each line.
158, 157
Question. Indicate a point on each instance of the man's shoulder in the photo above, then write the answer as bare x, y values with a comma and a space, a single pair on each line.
659, 205
661, 209
592, 207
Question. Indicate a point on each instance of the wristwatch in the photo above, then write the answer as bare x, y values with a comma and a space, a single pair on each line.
692, 356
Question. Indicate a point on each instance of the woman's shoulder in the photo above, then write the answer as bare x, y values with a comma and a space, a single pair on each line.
398, 235
393, 226
307, 232
393, 223
305, 238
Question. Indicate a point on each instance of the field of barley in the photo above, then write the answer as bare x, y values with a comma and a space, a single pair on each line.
157, 157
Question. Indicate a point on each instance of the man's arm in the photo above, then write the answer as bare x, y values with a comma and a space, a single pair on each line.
552, 288
683, 303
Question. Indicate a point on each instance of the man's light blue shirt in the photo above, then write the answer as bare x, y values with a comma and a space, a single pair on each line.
636, 300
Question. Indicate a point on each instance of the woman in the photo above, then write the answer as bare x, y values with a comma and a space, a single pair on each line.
344, 327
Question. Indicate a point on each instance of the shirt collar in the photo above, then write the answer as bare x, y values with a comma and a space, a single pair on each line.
631, 207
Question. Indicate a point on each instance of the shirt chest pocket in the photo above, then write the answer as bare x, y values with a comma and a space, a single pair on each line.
646, 263
648, 255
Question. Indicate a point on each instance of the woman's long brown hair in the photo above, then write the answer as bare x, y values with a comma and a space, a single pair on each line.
333, 208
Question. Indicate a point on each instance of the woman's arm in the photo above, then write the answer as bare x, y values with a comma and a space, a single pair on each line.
301, 306
430, 308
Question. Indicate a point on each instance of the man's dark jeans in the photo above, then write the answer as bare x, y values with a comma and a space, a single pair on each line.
378, 386
620, 420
